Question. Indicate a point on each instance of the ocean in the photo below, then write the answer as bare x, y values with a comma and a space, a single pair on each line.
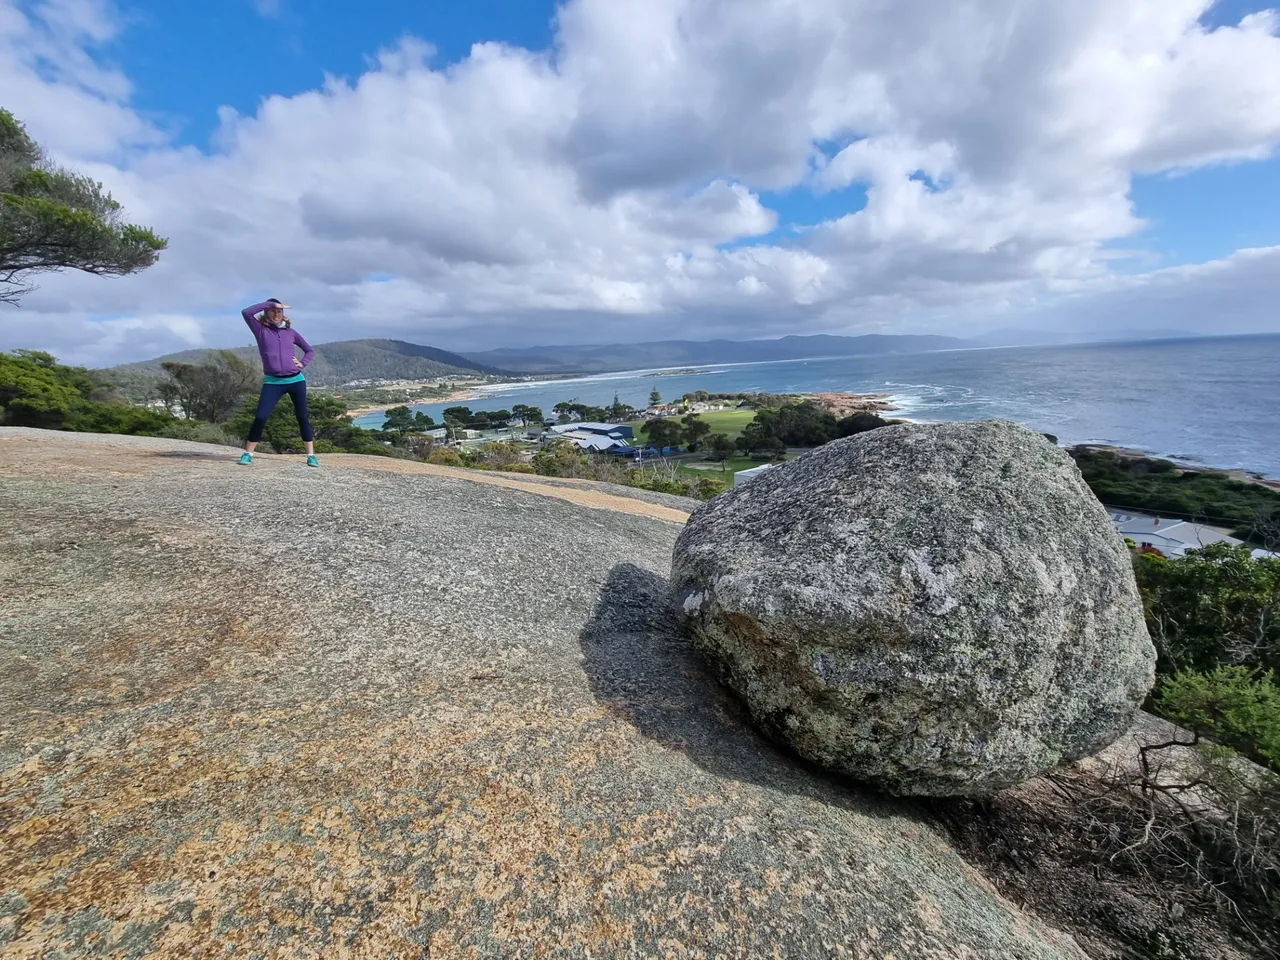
1213, 401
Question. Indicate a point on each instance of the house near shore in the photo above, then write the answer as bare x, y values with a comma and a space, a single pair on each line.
603, 429
710, 406
1171, 538
596, 437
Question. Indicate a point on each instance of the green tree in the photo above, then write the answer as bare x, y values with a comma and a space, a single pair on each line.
619, 412
53, 219
213, 390
401, 420
655, 397
695, 428
721, 447
758, 437
527, 414
802, 424
569, 410
663, 433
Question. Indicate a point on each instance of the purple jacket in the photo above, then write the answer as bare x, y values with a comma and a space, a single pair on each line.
276, 343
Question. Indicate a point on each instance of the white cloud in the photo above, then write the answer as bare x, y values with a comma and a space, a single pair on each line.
518, 197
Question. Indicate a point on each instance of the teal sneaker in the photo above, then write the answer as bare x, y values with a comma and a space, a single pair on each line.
312, 461
246, 458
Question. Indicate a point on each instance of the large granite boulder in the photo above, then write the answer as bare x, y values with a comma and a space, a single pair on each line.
939, 609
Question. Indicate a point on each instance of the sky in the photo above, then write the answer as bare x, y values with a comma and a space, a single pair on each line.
514, 172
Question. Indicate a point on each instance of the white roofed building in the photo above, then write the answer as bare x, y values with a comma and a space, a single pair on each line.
1172, 538
595, 442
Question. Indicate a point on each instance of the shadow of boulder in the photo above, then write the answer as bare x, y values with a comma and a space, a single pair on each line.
644, 669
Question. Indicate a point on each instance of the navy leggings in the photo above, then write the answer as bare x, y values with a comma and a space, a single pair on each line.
271, 395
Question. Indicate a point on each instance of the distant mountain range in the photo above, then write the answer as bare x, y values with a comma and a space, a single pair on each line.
345, 360
674, 353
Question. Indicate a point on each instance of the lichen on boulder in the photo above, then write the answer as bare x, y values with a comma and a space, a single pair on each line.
938, 609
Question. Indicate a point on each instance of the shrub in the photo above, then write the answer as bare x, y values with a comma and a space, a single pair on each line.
1214, 606
446, 457
704, 488
561, 459
516, 468
497, 455
859, 423
419, 446
93, 417
1234, 706
37, 391
1159, 486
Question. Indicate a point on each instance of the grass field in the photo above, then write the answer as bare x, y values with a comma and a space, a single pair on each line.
729, 422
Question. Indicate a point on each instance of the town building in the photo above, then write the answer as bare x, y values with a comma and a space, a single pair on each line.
595, 442
620, 430
596, 437
1172, 538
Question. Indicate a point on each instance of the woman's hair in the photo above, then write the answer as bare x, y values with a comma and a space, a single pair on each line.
262, 316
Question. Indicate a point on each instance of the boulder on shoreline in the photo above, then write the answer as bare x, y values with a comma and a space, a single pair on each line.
940, 609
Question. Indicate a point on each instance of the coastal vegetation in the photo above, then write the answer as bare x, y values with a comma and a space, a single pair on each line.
216, 399
37, 391
1160, 487
211, 391
1214, 616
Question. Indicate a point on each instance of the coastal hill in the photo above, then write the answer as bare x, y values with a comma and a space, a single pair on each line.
342, 361
400, 710
670, 353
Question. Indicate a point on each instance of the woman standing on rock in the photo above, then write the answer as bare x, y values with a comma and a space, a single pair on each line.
282, 372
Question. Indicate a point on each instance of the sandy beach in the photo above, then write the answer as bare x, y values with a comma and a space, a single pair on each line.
457, 396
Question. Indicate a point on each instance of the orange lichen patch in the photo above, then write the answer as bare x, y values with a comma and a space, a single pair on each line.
277, 858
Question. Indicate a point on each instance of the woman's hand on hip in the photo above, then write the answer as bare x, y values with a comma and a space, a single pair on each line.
297, 363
